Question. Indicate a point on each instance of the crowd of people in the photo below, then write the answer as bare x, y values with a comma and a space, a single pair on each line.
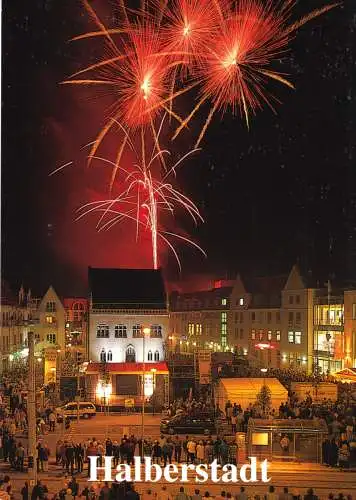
71, 490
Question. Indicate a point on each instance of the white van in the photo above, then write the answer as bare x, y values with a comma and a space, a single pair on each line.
86, 410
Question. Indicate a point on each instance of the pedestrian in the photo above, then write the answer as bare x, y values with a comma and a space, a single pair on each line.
242, 495
163, 494
197, 495
105, 492
191, 449
310, 495
74, 486
52, 421
20, 455
271, 495
130, 494
25, 491
234, 423
285, 495
182, 495
201, 452
156, 453
167, 450
177, 443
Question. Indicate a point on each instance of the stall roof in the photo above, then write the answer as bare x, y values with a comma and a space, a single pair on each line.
250, 386
346, 375
296, 425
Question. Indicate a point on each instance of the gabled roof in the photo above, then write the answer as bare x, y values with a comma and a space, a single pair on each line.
126, 288
265, 291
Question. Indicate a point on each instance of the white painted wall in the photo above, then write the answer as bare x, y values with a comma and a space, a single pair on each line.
118, 346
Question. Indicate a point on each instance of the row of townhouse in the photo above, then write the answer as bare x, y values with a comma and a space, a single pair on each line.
59, 326
276, 321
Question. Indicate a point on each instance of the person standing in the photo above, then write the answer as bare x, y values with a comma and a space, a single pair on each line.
79, 457
285, 495
52, 421
201, 452
177, 449
25, 492
191, 449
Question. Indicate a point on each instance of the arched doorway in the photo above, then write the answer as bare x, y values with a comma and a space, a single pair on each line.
130, 354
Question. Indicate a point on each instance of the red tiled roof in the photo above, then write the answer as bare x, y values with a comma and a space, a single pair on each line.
128, 367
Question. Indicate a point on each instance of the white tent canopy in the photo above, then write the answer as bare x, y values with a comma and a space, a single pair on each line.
244, 391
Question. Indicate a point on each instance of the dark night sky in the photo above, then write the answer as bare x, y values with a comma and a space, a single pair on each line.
285, 191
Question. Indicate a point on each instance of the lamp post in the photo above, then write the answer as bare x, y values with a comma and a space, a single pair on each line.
146, 331
32, 467
153, 371
328, 338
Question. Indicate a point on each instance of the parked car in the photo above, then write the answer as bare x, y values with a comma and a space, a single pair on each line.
188, 424
86, 410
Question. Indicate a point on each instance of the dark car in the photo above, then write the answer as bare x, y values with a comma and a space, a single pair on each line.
188, 424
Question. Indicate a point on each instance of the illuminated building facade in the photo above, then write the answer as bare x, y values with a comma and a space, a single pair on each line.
277, 321
128, 325
13, 339
76, 327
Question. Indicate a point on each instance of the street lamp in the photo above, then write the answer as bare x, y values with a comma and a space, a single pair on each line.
145, 331
328, 338
153, 371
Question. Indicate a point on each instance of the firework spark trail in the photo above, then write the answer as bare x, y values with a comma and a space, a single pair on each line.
141, 195
224, 49
236, 66
227, 48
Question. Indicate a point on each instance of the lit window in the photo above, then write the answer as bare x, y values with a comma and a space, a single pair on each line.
49, 319
156, 331
103, 356
269, 335
190, 328
51, 338
198, 329
253, 334
120, 332
261, 334
278, 335
291, 337
298, 337
51, 307
156, 356
137, 331
241, 301
102, 331
149, 356
223, 302
109, 356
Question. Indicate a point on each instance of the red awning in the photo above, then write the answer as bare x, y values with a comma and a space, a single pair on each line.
136, 368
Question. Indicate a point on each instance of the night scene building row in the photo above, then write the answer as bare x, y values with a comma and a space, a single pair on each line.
275, 321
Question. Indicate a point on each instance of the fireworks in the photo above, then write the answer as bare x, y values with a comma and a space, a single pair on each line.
142, 199
221, 52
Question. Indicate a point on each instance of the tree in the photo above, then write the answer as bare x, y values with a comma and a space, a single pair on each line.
264, 399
